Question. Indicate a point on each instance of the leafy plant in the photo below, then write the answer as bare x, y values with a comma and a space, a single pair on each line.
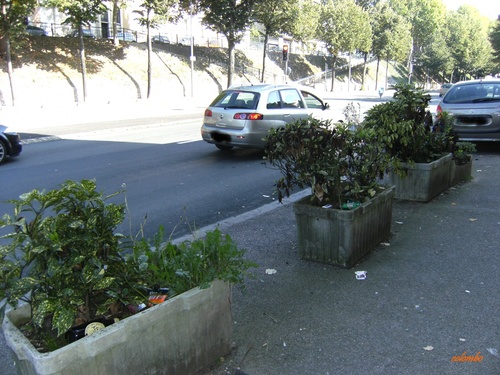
404, 128
462, 150
338, 164
191, 263
64, 256
462, 153
65, 259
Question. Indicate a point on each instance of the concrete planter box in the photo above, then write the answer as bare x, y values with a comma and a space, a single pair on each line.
460, 173
180, 336
343, 237
424, 180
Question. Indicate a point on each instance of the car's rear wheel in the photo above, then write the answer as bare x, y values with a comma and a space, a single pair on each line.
3, 151
224, 147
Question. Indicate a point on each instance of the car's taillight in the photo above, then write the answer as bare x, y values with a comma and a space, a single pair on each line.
248, 116
208, 113
439, 109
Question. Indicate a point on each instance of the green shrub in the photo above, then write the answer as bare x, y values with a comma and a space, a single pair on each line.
338, 163
65, 259
404, 127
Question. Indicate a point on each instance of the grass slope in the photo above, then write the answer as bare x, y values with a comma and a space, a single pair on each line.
47, 70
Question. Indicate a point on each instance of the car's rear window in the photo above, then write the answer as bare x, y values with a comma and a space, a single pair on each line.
473, 93
236, 99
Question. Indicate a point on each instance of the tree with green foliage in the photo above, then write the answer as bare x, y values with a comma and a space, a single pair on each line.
424, 18
79, 13
468, 34
343, 27
151, 15
305, 20
276, 17
12, 16
391, 35
367, 4
230, 18
495, 42
436, 59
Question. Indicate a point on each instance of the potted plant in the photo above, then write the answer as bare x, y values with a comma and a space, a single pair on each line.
348, 213
420, 158
73, 273
461, 168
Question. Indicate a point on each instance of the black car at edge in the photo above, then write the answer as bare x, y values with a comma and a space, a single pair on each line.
10, 144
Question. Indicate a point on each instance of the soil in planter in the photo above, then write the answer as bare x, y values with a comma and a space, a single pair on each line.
45, 340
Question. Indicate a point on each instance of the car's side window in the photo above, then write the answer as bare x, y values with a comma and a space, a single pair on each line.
273, 100
291, 99
311, 100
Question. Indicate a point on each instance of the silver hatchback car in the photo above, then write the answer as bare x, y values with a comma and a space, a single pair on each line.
242, 116
475, 107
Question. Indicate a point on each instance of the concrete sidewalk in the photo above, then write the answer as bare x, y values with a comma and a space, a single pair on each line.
21, 118
430, 300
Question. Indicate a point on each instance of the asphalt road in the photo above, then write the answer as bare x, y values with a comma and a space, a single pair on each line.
170, 177
152, 152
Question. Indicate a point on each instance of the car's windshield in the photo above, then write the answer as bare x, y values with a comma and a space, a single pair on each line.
474, 93
236, 99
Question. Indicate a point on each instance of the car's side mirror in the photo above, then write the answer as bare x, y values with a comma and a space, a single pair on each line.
326, 106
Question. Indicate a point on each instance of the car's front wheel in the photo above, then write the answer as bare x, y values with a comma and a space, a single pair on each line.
3, 151
224, 147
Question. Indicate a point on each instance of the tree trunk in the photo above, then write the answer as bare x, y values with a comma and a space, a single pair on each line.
364, 71
376, 73
386, 72
148, 30
8, 59
116, 42
334, 62
82, 62
230, 65
266, 39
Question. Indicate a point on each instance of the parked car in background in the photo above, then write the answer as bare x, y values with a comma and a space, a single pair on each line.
10, 144
86, 34
242, 116
160, 39
444, 88
126, 36
36, 31
475, 107
185, 41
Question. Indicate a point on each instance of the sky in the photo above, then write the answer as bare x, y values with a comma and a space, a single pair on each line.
488, 8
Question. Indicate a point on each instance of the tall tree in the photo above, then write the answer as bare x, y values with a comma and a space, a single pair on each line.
79, 13
391, 35
305, 17
436, 59
495, 42
276, 17
468, 35
116, 6
343, 27
230, 18
12, 16
151, 15
425, 17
